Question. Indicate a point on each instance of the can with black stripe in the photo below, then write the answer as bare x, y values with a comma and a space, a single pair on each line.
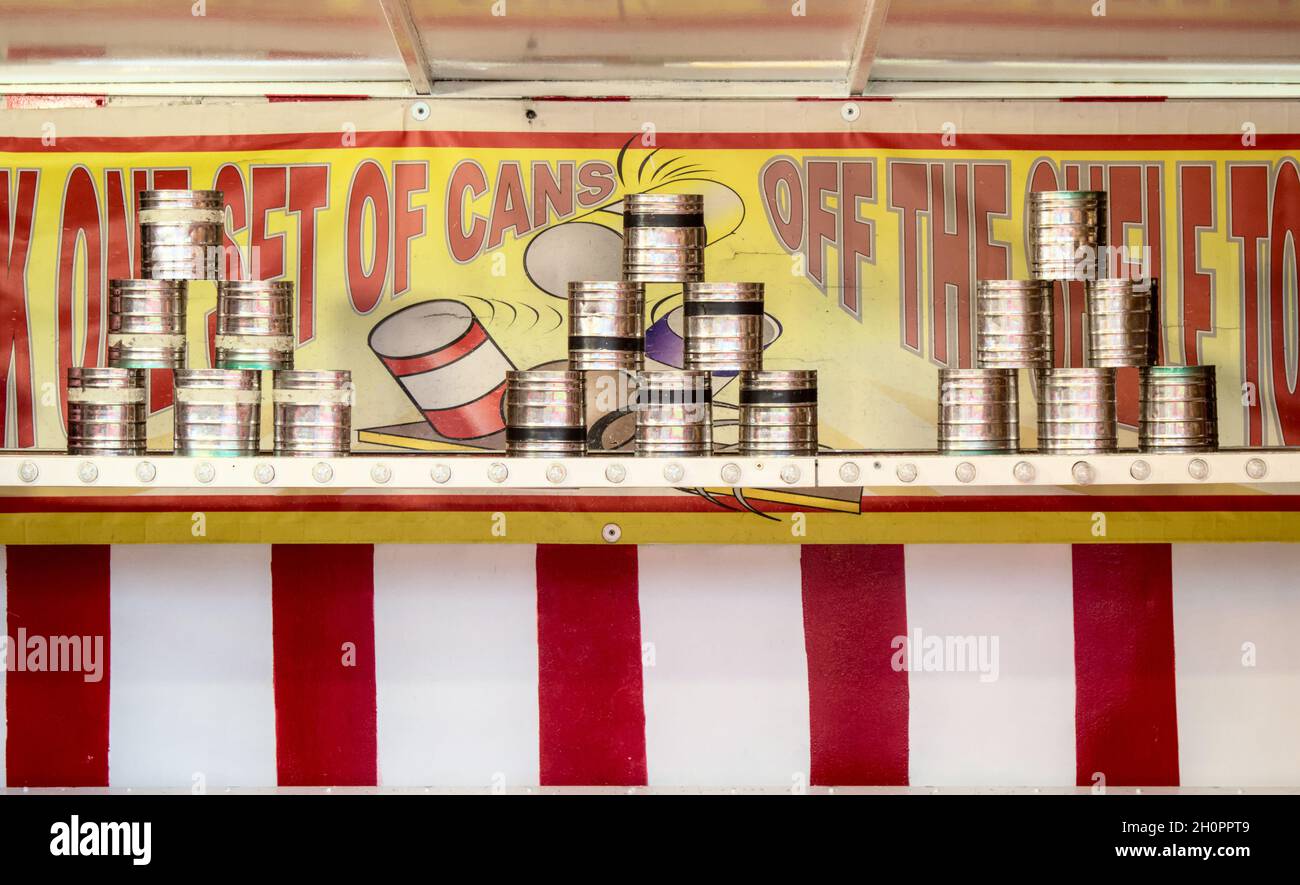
723, 326
663, 238
606, 325
778, 413
545, 414
674, 414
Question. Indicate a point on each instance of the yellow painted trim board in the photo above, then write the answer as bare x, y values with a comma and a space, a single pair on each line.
224, 527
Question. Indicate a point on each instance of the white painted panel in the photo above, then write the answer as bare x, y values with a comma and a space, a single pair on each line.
456, 665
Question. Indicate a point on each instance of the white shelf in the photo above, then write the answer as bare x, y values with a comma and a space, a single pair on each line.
382, 472
876, 470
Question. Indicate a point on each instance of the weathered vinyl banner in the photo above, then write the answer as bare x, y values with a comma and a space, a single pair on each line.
431, 257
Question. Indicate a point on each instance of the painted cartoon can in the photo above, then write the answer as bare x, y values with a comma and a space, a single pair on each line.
1067, 233
146, 324
1117, 318
606, 325
218, 412
254, 324
106, 411
448, 366
1076, 410
180, 234
663, 238
545, 413
1014, 324
1177, 409
674, 414
979, 411
778, 413
313, 412
723, 326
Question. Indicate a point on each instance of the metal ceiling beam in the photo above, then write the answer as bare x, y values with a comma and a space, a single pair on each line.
409, 45
873, 22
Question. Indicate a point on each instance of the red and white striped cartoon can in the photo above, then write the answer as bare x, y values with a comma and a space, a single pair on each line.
447, 364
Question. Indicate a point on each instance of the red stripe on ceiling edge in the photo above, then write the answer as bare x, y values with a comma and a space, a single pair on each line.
854, 604
323, 616
1119, 98
591, 704
58, 721
1125, 711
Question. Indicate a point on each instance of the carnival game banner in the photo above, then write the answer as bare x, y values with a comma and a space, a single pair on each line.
430, 257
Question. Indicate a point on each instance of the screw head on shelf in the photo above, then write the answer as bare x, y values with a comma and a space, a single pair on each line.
1024, 471
611, 532
850, 472
205, 472
28, 471
674, 472
263, 473
730, 473
440, 473
87, 472
1256, 468
381, 473
322, 472
790, 474
498, 472
965, 471
1083, 473
556, 473
1198, 468
145, 471
905, 472
616, 473
1140, 470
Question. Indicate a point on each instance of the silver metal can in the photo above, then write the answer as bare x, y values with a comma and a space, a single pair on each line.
979, 411
146, 324
545, 414
218, 412
778, 413
180, 234
1014, 325
1176, 409
106, 411
1117, 319
606, 325
723, 326
313, 412
1076, 410
674, 414
663, 238
1067, 234
254, 324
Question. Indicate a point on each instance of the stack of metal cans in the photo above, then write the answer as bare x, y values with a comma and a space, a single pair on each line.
664, 238
217, 411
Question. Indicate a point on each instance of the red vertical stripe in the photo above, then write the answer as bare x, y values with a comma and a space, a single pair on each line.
1125, 716
589, 666
323, 610
854, 604
58, 721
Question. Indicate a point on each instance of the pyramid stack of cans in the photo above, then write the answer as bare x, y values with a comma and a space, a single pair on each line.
664, 238
978, 408
217, 411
